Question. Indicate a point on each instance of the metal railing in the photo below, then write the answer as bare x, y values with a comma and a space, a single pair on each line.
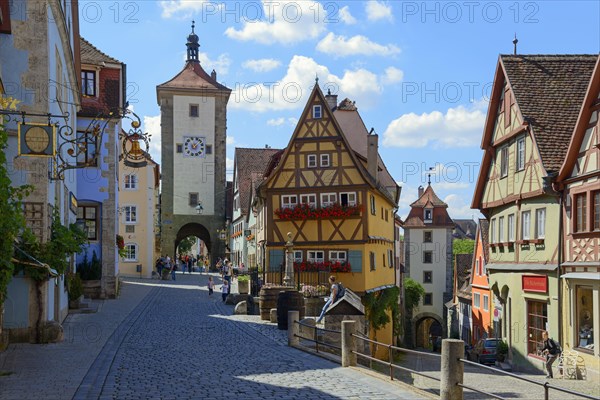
547, 386
452, 373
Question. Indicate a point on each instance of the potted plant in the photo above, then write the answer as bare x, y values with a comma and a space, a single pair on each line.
501, 351
243, 284
75, 288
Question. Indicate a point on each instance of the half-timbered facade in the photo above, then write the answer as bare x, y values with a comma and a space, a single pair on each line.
481, 299
534, 104
331, 190
580, 264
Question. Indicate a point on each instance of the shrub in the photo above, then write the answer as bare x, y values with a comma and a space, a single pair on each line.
74, 286
243, 278
90, 271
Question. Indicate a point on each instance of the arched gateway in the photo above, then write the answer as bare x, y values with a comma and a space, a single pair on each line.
193, 109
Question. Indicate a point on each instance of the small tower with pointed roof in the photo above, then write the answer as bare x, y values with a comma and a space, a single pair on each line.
428, 260
193, 134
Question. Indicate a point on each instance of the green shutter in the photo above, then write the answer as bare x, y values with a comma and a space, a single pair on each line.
275, 260
355, 260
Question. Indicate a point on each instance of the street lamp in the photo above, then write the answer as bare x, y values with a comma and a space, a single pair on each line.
199, 208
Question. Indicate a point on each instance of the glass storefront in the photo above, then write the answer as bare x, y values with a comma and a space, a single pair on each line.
584, 318
537, 318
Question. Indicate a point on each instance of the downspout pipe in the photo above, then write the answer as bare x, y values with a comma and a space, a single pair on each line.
552, 188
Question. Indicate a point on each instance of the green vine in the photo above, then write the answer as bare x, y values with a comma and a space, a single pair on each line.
378, 303
12, 221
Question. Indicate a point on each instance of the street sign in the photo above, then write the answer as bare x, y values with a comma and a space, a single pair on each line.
496, 314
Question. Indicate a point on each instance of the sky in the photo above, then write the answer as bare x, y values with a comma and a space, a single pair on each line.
419, 72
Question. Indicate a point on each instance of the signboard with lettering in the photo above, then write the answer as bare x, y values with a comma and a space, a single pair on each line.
535, 283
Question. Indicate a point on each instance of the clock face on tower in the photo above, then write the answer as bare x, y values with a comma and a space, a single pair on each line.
193, 146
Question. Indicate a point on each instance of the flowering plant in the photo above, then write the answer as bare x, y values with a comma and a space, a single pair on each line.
314, 291
121, 245
305, 211
328, 266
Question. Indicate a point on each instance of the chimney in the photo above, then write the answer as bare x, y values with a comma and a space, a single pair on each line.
421, 191
213, 74
331, 100
372, 154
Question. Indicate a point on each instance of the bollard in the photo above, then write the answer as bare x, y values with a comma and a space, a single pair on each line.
452, 369
293, 328
348, 344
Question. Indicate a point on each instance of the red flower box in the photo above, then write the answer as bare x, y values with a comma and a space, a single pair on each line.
326, 266
304, 211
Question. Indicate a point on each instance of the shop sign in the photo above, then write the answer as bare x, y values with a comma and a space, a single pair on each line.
535, 283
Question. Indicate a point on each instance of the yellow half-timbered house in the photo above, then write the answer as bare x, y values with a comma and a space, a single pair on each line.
332, 191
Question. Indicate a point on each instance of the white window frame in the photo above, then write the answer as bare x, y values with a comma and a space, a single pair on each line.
391, 258
483, 266
486, 302
511, 227
311, 161
298, 256
504, 161
477, 266
430, 219
128, 247
520, 153
334, 255
326, 199
306, 199
350, 195
493, 230
317, 111
476, 300
315, 256
526, 225
540, 223
130, 214
286, 201
325, 160
500, 229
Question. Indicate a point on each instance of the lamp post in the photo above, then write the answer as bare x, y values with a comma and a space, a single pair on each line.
288, 280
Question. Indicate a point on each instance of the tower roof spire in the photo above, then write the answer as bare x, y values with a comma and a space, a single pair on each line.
515, 41
192, 45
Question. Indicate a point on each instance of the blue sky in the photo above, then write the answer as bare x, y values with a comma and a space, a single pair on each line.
420, 72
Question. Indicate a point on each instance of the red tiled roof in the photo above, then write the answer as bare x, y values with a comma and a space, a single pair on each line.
193, 77
549, 91
91, 55
428, 200
484, 229
250, 164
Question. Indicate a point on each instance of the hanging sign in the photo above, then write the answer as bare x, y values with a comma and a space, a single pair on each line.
36, 140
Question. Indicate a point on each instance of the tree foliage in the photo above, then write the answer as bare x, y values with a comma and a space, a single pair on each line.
463, 246
377, 303
186, 244
413, 292
12, 221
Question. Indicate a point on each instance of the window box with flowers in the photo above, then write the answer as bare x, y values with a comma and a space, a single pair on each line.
326, 266
305, 211
236, 234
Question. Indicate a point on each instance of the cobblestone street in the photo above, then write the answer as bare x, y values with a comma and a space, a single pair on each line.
171, 340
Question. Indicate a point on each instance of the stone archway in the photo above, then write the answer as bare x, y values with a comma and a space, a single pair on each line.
193, 229
426, 327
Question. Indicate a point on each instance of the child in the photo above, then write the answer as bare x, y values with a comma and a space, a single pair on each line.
225, 290
211, 285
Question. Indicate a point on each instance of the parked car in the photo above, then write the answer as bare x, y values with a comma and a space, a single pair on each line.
484, 352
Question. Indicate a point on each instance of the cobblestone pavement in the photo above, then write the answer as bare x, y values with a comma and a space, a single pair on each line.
171, 340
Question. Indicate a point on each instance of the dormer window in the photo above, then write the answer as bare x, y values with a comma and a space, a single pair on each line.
317, 112
428, 215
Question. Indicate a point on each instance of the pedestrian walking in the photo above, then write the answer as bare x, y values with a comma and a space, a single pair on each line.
227, 272
174, 268
190, 261
211, 285
224, 290
551, 350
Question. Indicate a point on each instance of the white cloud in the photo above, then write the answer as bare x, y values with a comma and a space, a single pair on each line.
282, 121
230, 140
341, 46
459, 127
221, 64
151, 126
346, 17
392, 75
262, 65
287, 22
292, 90
184, 8
377, 10
229, 168
459, 207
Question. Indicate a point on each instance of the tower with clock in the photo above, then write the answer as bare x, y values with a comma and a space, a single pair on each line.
193, 134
